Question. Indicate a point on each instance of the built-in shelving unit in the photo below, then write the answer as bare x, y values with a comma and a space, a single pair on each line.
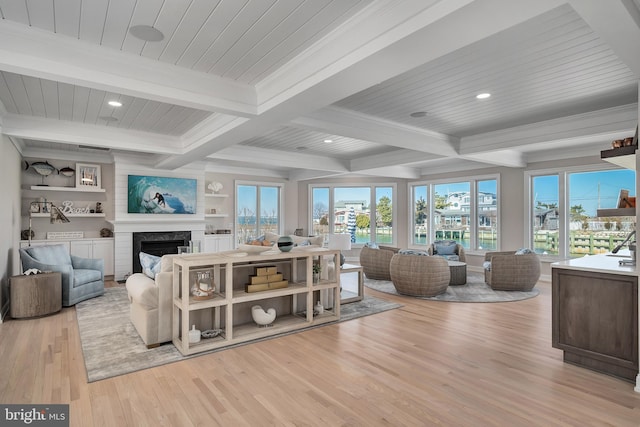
70, 215
622, 156
228, 311
70, 189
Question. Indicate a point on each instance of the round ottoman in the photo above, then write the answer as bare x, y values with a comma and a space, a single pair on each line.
419, 275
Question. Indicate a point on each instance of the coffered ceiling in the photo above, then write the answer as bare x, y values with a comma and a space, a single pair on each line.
303, 89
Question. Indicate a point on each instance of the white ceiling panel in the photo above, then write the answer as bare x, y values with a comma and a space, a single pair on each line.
67, 17
246, 70
529, 69
305, 141
56, 100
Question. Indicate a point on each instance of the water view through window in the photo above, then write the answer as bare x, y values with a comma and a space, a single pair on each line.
585, 194
354, 213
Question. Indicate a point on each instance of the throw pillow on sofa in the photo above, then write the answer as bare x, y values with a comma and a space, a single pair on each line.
150, 264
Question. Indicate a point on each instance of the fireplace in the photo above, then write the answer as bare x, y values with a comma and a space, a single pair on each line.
157, 243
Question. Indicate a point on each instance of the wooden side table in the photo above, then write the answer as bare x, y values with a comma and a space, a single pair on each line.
458, 273
35, 295
352, 268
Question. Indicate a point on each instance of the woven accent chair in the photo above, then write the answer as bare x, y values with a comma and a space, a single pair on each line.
419, 276
375, 262
511, 272
459, 252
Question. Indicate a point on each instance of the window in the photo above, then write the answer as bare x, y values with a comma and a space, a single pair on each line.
258, 210
564, 206
337, 209
464, 211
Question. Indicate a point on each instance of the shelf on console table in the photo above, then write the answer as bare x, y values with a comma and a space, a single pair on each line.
230, 309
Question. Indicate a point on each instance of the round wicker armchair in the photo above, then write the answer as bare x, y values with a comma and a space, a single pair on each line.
511, 272
375, 262
420, 276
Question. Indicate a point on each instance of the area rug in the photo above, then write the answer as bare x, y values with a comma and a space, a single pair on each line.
476, 290
111, 345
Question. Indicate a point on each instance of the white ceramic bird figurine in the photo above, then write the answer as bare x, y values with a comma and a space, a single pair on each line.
261, 317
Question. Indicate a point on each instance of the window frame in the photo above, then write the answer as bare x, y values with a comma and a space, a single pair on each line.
563, 203
473, 209
258, 185
372, 203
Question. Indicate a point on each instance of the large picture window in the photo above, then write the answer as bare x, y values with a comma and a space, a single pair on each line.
465, 211
565, 207
365, 212
258, 209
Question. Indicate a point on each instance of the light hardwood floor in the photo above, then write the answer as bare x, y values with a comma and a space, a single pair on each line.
427, 363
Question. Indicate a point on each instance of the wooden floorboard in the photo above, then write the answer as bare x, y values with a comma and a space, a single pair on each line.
427, 363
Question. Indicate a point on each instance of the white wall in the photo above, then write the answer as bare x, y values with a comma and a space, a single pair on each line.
9, 218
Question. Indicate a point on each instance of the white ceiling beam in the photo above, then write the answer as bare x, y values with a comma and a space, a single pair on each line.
253, 170
393, 172
380, 56
618, 23
307, 174
281, 158
38, 53
63, 132
394, 158
340, 121
509, 158
566, 130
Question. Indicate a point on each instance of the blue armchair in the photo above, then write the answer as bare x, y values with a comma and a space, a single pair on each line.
82, 278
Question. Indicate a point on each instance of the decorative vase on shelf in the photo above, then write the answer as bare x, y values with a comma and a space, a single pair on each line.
262, 317
194, 335
285, 243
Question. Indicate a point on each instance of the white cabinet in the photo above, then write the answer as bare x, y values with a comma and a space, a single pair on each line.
86, 248
228, 310
98, 248
218, 242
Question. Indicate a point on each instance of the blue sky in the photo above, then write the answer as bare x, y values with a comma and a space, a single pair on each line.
592, 190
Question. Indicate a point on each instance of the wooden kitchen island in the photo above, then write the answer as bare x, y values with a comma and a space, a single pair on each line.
595, 314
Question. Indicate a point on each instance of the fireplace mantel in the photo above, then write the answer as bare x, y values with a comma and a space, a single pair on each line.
146, 224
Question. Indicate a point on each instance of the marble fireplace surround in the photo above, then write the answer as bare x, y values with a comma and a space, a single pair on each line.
123, 231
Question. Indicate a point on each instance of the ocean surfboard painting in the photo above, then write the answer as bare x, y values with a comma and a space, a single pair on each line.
161, 195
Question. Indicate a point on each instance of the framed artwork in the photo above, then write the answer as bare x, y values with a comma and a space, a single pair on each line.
161, 195
88, 176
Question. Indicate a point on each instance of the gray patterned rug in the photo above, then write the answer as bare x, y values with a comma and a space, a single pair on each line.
475, 290
111, 345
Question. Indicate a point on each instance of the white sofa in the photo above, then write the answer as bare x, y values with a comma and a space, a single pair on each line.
151, 309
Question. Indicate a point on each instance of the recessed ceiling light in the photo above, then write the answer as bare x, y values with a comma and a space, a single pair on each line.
146, 33
418, 114
328, 141
483, 95
115, 103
